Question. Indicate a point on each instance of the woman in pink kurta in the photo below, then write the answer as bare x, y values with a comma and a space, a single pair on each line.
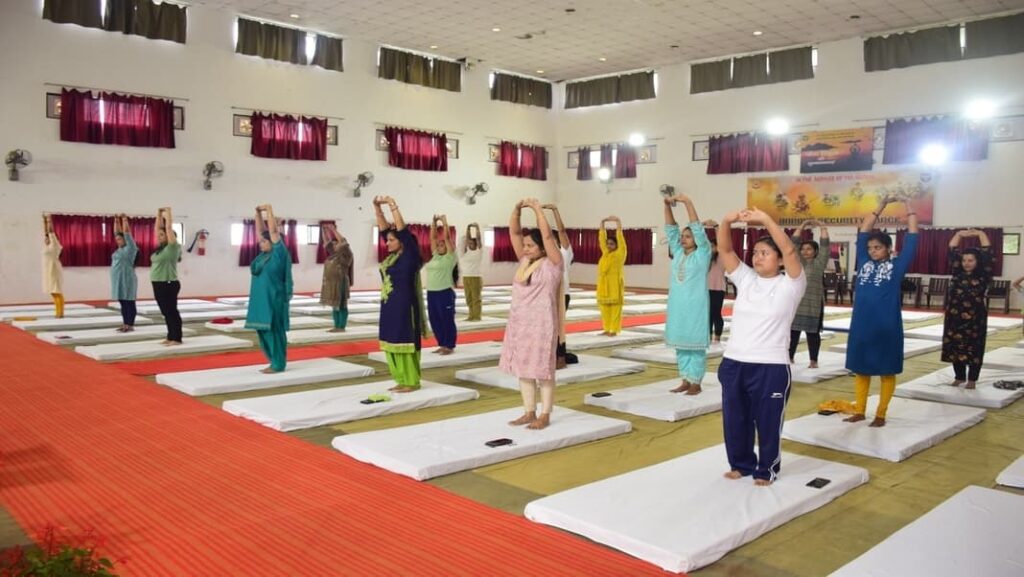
531, 336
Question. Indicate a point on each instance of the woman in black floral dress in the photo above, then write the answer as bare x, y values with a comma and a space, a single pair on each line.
963, 337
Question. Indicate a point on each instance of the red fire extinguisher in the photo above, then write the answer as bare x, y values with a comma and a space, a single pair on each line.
199, 241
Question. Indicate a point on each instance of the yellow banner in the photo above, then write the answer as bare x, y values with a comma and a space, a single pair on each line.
842, 199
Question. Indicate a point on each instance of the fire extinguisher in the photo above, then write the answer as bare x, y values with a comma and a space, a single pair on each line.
200, 240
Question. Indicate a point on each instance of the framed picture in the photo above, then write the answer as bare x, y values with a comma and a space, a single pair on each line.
53, 110
493, 152
1011, 243
701, 150
647, 154
574, 159
453, 147
332, 135
382, 141
879, 138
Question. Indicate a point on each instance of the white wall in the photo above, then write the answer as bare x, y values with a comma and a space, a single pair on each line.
976, 193
84, 178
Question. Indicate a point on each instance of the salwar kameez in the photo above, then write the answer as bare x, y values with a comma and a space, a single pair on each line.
124, 283
966, 322
687, 321
270, 291
401, 310
611, 284
337, 281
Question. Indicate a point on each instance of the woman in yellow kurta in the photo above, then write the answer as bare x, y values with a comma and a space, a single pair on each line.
611, 286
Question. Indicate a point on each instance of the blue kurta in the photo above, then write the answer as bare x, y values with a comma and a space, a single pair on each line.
687, 320
875, 346
401, 301
270, 290
124, 285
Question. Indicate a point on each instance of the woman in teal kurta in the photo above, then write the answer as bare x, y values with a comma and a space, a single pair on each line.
124, 285
687, 320
270, 291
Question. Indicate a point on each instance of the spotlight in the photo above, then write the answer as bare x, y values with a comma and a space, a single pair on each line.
637, 139
777, 126
980, 109
933, 154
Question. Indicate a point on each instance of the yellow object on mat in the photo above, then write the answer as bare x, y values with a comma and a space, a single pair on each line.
839, 406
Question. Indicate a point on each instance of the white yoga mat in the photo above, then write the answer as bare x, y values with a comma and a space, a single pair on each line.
249, 378
936, 387
293, 411
682, 514
295, 323
187, 308
976, 532
660, 353
933, 333
323, 335
464, 355
589, 368
1020, 344
918, 316
318, 309
910, 426
50, 313
581, 314
841, 324
659, 329
646, 308
152, 303
486, 309
72, 323
107, 335
1013, 475
439, 448
1005, 322
1005, 358
582, 302
203, 316
654, 400
156, 349
484, 323
830, 366
42, 307
838, 311
594, 340
911, 347
647, 298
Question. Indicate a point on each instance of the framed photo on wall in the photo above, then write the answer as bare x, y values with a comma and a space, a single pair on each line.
701, 150
493, 152
1011, 243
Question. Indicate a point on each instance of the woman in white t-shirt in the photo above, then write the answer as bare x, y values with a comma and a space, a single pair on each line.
471, 254
754, 372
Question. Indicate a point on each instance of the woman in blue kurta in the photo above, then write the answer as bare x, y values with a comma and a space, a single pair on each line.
401, 299
124, 285
875, 346
270, 291
688, 319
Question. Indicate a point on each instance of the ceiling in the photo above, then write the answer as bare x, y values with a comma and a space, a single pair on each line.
627, 34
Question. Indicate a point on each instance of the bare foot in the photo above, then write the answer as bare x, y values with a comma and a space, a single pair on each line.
612, 334
526, 419
445, 351
854, 418
716, 339
404, 389
762, 482
956, 383
694, 390
541, 422
129, 329
733, 475
173, 343
336, 330
436, 351
970, 385
269, 370
877, 422
682, 388
813, 365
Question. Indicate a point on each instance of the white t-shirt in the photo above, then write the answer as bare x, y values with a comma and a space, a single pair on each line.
469, 261
566, 261
762, 315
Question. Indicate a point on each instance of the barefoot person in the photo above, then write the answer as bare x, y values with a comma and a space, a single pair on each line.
270, 291
966, 322
755, 372
163, 273
124, 284
337, 281
716, 289
401, 298
531, 336
611, 286
441, 286
810, 315
563, 356
687, 318
471, 254
53, 272
875, 345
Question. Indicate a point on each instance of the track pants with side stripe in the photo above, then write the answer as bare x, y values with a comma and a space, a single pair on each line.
754, 397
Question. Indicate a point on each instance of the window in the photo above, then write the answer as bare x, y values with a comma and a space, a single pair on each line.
307, 233
654, 239
489, 237
236, 233
179, 229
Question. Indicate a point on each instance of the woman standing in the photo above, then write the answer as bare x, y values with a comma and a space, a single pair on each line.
337, 281
686, 321
611, 284
716, 289
562, 356
270, 291
124, 284
754, 372
401, 299
810, 315
471, 255
875, 345
441, 286
53, 272
966, 323
163, 273
531, 336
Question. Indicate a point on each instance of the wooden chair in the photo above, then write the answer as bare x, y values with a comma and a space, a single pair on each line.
911, 288
999, 289
937, 287
836, 286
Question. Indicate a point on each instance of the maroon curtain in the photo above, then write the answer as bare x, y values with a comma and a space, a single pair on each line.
606, 156
502, 249
250, 246
527, 157
933, 249
112, 118
969, 141
638, 245
142, 234
737, 235
321, 251
905, 138
416, 149
522, 161
290, 237
284, 136
625, 162
583, 171
86, 240
748, 152
540, 163
585, 246
508, 159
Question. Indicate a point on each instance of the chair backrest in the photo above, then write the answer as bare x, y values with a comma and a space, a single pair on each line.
938, 284
831, 280
910, 283
999, 288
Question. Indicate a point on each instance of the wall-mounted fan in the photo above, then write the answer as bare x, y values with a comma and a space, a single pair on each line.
214, 168
15, 160
362, 180
477, 189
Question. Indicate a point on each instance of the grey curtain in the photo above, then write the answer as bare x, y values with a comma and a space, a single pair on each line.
446, 75
592, 92
271, 42
82, 12
162, 21
995, 36
926, 46
709, 76
328, 53
393, 64
749, 71
792, 64
520, 90
636, 86
418, 71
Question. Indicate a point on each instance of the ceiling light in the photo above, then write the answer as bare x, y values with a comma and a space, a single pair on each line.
933, 154
495, 29
603, 59
433, 46
758, 33
296, 16
777, 126
980, 109
637, 139
540, 72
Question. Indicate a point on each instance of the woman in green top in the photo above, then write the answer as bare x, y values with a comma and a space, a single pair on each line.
270, 291
163, 273
124, 285
441, 286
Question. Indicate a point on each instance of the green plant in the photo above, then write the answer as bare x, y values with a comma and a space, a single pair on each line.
57, 556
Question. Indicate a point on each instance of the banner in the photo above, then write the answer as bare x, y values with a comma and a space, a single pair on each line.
836, 150
843, 199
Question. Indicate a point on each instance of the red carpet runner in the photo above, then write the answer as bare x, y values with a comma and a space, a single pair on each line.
180, 488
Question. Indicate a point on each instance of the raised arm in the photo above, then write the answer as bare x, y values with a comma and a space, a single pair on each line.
515, 230
158, 224
447, 235
275, 235
117, 224
169, 226
790, 258
382, 223
563, 237
726, 255
982, 237
550, 246
261, 226
911, 218
868, 224
396, 213
670, 217
691, 211
824, 246
1017, 283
